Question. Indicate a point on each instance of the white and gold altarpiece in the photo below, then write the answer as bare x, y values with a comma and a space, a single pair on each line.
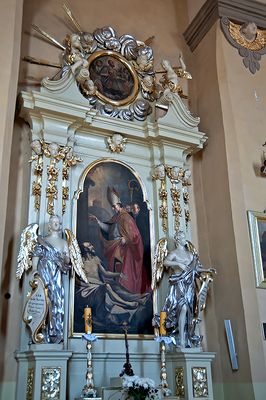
107, 123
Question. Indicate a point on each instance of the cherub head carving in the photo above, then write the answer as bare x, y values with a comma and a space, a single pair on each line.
249, 31
159, 172
53, 149
36, 147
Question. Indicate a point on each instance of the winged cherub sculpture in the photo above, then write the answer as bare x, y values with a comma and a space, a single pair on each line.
248, 39
49, 256
184, 302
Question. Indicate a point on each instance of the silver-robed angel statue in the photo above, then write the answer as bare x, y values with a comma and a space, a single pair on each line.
49, 257
188, 287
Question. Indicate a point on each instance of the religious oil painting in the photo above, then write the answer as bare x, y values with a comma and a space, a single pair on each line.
113, 231
114, 78
257, 228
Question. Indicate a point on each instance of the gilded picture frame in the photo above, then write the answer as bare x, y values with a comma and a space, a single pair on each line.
257, 230
114, 77
124, 297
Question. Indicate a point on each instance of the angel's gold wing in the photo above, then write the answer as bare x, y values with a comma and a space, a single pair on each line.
28, 241
75, 255
182, 73
257, 44
191, 247
158, 260
206, 279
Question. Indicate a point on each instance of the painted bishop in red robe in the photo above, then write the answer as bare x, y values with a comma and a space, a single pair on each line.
124, 247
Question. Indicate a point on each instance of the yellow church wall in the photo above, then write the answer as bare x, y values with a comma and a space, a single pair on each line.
10, 31
214, 223
11, 16
244, 104
227, 171
140, 18
193, 7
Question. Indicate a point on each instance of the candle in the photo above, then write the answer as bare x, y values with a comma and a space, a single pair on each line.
88, 319
162, 323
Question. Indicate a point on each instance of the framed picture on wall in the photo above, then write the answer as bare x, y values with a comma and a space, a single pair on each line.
113, 231
257, 229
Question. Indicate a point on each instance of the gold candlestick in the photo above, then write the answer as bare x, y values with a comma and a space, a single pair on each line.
88, 391
164, 384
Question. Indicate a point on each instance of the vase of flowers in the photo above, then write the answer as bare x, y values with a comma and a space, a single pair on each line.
137, 388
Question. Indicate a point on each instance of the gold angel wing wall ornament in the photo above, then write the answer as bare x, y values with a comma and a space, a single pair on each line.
254, 40
158, 260
28, 241
75, 255
248, 39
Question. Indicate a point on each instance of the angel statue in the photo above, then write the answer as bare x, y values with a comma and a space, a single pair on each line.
184, 302
49, 256
170, 79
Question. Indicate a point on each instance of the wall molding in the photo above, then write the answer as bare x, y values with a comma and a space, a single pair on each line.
237, 10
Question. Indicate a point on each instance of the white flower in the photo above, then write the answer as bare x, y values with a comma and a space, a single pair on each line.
145, 385
135, 384
150, 382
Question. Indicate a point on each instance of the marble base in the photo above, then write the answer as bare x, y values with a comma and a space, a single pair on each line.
88, 398
116, 381
172, 398
46, 346
192, 374
189, 350
112, 393
41, 366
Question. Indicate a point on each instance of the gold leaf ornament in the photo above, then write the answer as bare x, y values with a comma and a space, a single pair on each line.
237, 32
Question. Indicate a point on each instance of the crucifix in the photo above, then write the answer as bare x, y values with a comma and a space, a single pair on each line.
127, 368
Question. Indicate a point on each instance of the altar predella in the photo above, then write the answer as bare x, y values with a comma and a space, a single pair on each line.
109, 144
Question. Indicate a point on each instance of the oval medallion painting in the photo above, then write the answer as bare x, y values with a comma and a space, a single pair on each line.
115, 79
113, 232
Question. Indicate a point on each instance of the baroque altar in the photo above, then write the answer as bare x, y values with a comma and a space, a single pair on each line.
110, 144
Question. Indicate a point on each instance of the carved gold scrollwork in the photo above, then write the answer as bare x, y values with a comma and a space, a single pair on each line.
159, 174
175, 174
199, 382
69, 161
36, 192
186, 197
51, 194
164, 216
162, 194
56, 154
185, 183
180, 180
176, 208
179, 380
65, 196
30, 379
50, 385
187, 217
37, 162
